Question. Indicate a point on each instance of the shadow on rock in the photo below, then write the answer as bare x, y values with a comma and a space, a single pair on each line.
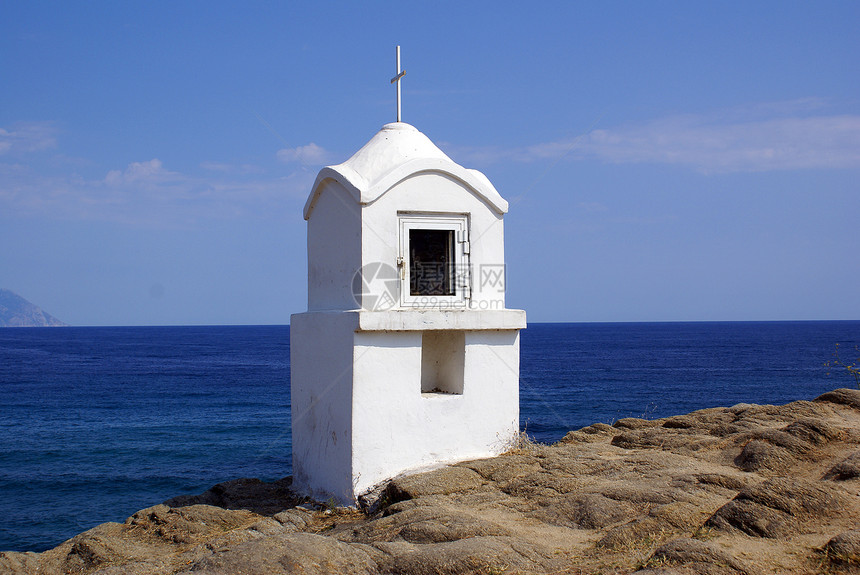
248, 494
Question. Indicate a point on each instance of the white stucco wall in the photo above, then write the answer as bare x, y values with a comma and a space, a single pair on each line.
334, 249
321, 383
344, 236
435, 193
359, 416
415, 430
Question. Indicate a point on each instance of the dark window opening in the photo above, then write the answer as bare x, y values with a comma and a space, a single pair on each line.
431, 262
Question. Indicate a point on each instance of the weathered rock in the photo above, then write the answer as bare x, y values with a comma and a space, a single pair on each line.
697, 556
590, 434
795, 446
844, 548
444, 481
423, 524
635, 423
167, 523
642, 494
763, 456
814, 430
848, 468
721, 480
607, 499
286, 554
660, 522
538, 485
777, 507
797, 497
12, 562
296, 519
681, 422
505, 468
677, 440
751, 518
250, 494
101, 546
584, 511
470, 556
641, 533
843, 396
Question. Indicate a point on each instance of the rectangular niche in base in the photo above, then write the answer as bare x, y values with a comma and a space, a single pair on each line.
443, 358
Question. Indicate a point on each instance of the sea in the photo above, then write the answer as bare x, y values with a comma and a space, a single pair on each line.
99, 422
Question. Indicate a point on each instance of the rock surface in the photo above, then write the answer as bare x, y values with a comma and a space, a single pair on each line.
749, 489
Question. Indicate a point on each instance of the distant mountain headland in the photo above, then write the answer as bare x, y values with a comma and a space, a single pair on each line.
15, 311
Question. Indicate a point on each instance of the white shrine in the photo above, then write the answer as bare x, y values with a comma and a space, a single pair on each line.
407, 357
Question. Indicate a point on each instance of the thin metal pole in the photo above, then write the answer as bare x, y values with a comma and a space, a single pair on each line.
396, 79
398, 83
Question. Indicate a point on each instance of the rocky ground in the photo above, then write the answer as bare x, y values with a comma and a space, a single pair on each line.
749, 489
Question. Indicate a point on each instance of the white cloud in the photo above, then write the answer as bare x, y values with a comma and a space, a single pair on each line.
216, 166
231, 168
141, 173
762, 145
147, 194
143, 193
27, 137
310, 155
756, 138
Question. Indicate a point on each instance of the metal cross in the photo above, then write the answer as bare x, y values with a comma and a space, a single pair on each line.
396, 80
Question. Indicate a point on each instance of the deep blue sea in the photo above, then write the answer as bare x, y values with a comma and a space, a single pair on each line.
96, 423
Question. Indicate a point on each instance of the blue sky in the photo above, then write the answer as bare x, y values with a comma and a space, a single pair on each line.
664, 161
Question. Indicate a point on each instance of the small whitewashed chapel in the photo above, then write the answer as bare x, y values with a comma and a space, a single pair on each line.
406, 357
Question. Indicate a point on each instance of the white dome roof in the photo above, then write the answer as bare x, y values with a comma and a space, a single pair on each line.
393, 145
396, 152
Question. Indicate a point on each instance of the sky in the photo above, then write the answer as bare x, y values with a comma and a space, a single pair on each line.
664, 161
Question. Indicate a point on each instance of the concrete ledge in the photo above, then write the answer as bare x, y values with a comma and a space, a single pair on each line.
467, 320
421, 320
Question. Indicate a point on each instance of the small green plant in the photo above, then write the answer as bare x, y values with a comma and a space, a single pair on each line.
852, 367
